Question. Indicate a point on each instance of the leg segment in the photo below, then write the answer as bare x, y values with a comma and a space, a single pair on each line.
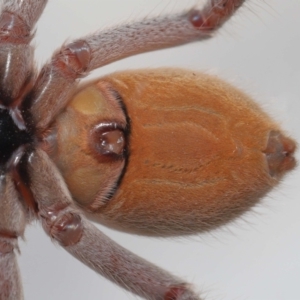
66, 225
17, 20
27, 11
10, 282
58, 78
12, 225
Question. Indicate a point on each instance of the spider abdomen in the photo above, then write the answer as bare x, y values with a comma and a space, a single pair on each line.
200, 151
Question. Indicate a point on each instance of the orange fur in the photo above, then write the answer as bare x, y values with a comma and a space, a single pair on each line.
197, 153
74, 156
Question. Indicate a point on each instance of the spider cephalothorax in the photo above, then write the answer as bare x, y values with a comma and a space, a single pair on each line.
160, 152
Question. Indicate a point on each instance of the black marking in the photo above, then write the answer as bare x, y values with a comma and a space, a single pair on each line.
22, 166
11, 136
127, 133
5, 96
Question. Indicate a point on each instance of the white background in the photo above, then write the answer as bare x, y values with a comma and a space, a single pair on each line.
257, 258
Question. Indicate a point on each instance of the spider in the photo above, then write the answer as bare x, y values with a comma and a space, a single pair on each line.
23, 171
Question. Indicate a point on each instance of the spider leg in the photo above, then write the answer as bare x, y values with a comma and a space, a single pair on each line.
65, 224
27, 11
12, 225
17, 20
58, 78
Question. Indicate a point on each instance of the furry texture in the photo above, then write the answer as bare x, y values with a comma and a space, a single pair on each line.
197, 153
92, 247
201, 153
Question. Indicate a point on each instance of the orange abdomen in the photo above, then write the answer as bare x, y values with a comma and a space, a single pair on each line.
200, 152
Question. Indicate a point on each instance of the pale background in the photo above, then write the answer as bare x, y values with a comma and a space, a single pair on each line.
257, 258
